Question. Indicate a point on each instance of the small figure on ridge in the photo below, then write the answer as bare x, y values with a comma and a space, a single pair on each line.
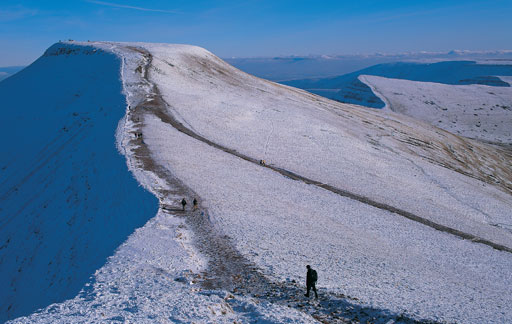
183, 203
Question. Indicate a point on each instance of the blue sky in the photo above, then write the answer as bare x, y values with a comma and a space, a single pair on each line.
248, 28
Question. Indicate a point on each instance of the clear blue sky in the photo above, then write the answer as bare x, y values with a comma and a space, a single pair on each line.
248, 28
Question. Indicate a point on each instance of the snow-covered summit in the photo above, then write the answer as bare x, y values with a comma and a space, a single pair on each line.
409, 220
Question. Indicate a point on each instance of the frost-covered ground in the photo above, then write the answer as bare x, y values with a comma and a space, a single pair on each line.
338, 184
474, 111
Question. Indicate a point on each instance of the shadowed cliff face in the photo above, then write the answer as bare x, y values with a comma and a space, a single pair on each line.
67, 200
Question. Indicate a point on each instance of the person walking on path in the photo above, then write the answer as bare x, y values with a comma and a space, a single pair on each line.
311, 278
194, 204
183, 203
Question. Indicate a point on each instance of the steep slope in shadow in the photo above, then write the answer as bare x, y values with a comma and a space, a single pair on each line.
67, 200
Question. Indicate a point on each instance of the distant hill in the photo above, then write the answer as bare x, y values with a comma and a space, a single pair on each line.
475, 111
348, 88
6, 72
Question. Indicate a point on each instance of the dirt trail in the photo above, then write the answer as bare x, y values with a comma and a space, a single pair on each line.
228, 270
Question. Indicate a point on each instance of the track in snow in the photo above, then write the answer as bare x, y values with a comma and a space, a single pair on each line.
227, 268
289, 174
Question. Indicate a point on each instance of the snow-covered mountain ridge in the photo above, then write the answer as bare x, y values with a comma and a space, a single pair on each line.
471, 99
349, 89
337, 190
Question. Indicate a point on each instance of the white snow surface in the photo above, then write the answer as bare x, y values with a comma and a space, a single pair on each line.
475, 111
388, 262
282, 224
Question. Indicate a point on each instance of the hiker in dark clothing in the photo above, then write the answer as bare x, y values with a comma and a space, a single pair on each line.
183, 203
311, 278
194, 203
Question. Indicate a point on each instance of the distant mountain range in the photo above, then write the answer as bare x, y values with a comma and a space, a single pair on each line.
321, 66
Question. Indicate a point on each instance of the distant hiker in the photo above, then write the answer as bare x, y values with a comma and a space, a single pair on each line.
262, 162
194, 203
183, 203
311, 278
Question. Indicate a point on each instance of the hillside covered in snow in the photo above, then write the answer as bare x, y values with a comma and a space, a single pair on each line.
471, 99
401, 219
348, 88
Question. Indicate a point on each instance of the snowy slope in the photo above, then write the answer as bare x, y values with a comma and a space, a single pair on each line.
379, 204
67, 200
474, 111
334, 144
